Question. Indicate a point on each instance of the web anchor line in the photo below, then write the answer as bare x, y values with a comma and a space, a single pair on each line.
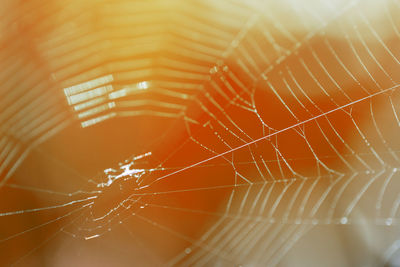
271, 135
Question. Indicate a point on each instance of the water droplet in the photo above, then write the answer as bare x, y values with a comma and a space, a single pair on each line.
188, 250
235, 43
389, 221
343, 220
214, 70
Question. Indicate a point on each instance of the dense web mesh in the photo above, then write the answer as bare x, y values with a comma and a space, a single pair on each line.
265, 122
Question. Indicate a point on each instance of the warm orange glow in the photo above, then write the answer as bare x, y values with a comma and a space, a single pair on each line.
199, 133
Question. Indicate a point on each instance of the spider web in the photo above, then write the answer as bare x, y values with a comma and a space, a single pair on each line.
294, 129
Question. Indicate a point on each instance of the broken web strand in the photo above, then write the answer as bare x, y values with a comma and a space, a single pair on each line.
80, 193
